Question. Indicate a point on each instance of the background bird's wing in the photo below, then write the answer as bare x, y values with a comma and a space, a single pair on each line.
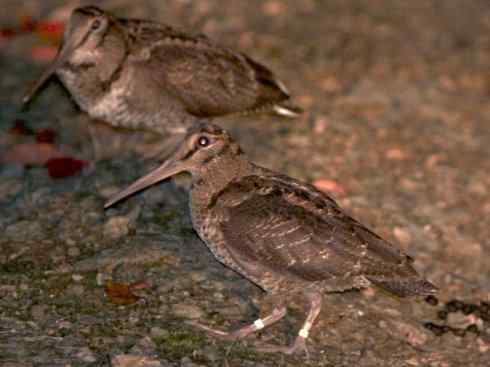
211, 80
297, 231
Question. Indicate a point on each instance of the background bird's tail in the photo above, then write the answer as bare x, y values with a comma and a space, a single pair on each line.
287, 110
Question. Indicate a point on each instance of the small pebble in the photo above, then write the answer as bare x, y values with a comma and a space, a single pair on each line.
38, 312
197, 276
117, 227
187, 311
129, 360
77, 277
73, 251
86, 355
402, 235
101, 279
158, 332
75, 290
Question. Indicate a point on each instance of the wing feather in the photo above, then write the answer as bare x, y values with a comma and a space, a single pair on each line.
208, 79
298, 232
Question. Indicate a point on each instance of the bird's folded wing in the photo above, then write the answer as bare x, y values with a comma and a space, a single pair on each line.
277, 227
210, 80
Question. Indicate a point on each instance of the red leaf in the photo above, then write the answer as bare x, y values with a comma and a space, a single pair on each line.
64, 166
46, 136
51, 28
20, 128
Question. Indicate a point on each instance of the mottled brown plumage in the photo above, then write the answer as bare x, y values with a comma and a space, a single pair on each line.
143, 74
280, 233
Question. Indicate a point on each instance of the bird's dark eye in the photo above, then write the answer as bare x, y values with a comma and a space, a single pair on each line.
203, 141
96, 24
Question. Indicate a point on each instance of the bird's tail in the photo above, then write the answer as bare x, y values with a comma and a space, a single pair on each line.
415, 286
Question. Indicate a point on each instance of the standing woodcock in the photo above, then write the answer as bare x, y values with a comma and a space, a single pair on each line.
142, 74
284, 235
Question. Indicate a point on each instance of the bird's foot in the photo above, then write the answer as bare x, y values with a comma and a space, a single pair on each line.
298, 346
225, 335
277, 314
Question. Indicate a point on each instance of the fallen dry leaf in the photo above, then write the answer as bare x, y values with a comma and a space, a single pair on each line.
120, 294
43, 53
329, 186
51, 28
64, 166
396, 154
31, 153
274, 8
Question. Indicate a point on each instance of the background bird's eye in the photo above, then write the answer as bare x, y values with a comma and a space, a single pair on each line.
203, 141
96, 24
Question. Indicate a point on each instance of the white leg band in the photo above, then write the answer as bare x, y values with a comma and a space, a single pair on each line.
259, 324
305, 331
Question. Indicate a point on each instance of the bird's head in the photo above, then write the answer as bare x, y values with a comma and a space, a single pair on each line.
87, 30
205, 150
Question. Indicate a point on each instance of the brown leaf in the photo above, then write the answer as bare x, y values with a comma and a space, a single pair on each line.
329, 186
396, 154
120, 293
43, 53
31, 153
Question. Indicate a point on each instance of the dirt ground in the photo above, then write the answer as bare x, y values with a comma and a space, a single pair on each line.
396, 128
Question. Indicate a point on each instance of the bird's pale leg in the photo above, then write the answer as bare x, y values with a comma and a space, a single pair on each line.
299, 343
97, 152
277, 314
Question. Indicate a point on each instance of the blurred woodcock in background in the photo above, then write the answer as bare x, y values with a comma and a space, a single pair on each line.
146, 75
284, 235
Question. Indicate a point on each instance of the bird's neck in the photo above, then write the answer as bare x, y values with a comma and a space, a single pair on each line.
215, 176
90, 72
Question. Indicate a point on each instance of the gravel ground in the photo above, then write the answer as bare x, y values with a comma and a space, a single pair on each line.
396, 129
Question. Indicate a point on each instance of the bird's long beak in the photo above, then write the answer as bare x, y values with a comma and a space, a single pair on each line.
62, 56
168, 169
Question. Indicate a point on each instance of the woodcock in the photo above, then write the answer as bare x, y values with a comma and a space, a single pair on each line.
142, 74
284, 235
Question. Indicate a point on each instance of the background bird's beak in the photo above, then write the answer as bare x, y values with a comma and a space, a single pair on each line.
169, 168
63, 54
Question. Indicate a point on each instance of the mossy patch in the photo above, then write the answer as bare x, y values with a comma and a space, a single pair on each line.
17, 267
177, 344
165, 218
